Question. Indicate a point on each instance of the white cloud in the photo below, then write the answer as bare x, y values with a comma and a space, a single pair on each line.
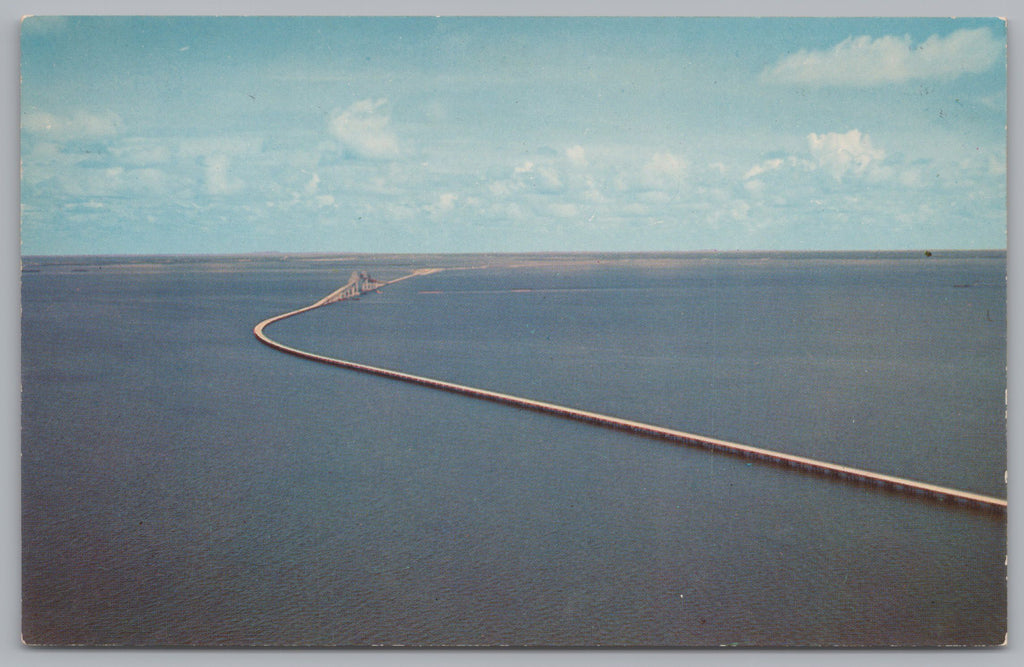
362, 130
665, 163
739, 210
445, 203
218, 179
79, 182
93, 182
576, 156
538, 178
312, 185
564, 210
837, 154
506, 210
911, 178
547, 179
79, 125
841, 154
663, 171
863, 61
754, 186
87, 205
777, 163
763, 168
591, 191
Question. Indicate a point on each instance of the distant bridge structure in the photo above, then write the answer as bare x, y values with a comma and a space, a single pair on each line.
358, 283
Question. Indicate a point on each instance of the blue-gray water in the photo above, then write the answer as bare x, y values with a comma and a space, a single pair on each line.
183, 484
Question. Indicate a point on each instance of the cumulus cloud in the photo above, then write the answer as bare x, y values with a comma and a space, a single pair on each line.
362, 130
665, 164
311, 187
218, 178
110, 181
92, 182
838, 154
544, 178
79, 125
576, 156
442, 205
763, 168
738, 209
841, 154
776, 164
662, 171
863, 61
446, 201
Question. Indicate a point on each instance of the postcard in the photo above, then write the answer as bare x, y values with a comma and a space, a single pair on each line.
528, 332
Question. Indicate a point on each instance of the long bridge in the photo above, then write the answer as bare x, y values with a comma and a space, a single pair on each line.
360, 283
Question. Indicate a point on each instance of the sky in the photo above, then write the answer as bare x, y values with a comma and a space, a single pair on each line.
169, 135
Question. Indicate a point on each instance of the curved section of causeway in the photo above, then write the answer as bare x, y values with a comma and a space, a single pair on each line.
801, 463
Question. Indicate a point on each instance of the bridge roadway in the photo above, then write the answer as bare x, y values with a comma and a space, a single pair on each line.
801, 463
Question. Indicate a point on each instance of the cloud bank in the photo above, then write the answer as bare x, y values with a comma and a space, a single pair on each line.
76, 126
863, 61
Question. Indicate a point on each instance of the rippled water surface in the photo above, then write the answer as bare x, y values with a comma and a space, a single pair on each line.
184, 484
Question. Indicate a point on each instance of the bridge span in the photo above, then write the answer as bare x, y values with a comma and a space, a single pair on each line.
800, 463
358, 283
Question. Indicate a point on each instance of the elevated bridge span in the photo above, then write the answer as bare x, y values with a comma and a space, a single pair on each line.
804, 464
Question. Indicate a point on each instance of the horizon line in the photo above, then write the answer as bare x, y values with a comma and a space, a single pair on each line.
328, 253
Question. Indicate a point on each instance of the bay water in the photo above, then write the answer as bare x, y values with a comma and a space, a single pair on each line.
185, 485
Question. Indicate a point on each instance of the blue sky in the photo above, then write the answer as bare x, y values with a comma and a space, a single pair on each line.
233, 135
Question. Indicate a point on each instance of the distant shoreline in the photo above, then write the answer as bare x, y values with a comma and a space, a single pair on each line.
506, 257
